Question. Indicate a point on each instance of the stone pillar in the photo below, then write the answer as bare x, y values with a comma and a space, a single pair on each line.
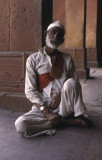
59, 12
74, 23
71, 13
91, 33
4, 25
25, 25
20, 35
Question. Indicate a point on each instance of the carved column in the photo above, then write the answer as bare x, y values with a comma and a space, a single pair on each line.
91, 33
72, 14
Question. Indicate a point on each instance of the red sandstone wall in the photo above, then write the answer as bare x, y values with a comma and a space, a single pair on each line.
25, 25
59, 10
4, 25
91, 25
20, 25
20, 31
91, 33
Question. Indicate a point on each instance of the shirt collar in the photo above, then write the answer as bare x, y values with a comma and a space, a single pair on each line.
43, 51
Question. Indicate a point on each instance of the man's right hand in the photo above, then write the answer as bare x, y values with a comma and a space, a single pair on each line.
53, 118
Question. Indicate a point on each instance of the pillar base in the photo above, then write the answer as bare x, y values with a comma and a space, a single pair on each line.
83, 73
78, 55
12, 71
92, 61
15, 102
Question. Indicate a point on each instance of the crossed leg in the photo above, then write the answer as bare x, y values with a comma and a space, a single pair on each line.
72, 106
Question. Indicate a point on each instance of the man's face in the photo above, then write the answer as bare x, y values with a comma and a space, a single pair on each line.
54, 37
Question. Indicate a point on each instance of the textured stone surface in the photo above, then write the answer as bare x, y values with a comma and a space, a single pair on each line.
15, 102
77, 54
72, 15
92, 57
12, 71
91, 33
4, 25
12, 67
71, 143
92, 89
25, 25
91, 23
59, 11
74, 23
79, 60
91, 54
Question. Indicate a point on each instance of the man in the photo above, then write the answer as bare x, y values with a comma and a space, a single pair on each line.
52, 85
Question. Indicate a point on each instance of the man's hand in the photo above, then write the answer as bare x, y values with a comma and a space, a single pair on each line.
55, 101
54, 119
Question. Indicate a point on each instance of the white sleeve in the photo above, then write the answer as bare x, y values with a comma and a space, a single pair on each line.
31, 90
73, 73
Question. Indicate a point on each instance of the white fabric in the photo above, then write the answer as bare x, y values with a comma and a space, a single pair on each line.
71, 99
40, 62
55, 24
34, 123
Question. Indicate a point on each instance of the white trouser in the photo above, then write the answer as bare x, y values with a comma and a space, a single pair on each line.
71, 99
34, 123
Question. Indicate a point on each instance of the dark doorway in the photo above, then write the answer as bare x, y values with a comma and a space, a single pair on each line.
99, 33
47, 10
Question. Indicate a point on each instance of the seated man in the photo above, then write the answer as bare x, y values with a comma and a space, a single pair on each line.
52, 85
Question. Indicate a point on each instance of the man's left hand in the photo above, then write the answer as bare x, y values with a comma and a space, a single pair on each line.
55, 101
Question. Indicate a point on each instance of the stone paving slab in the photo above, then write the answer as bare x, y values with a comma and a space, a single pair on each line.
92, 88
73, 143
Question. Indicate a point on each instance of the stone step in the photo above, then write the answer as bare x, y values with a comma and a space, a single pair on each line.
14, 101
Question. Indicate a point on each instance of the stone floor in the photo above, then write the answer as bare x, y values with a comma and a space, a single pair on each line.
68, 144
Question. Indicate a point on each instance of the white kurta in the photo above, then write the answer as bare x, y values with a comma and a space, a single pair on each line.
40, 63
68, 85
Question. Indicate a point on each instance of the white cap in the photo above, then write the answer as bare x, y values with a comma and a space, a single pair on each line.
56, 24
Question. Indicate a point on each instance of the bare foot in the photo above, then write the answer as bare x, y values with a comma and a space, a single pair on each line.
80, 121
88, 122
